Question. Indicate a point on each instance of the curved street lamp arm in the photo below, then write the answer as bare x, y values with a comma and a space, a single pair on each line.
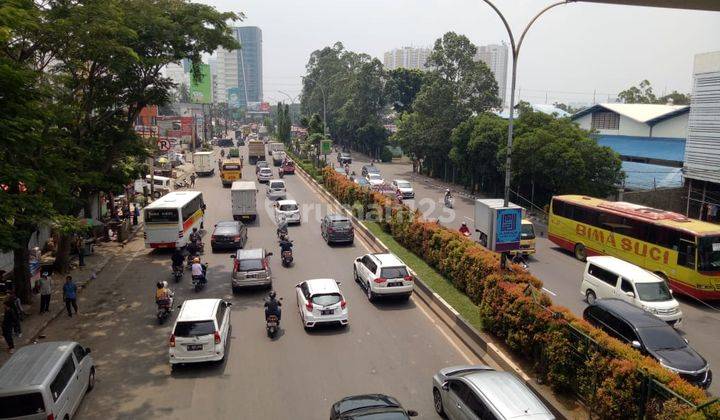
532, 21
505, 22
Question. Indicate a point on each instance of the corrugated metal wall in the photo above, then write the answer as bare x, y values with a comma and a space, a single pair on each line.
702, 152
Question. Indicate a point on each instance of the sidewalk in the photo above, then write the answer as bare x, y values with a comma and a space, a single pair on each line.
34, 322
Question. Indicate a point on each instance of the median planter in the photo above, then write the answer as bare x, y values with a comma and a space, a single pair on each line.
614, 380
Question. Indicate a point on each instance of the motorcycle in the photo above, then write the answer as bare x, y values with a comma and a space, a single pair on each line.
164, 307
272, 324
287, 258
520, 260
178, 273
449, 202
281, 173
282, 233
199, 282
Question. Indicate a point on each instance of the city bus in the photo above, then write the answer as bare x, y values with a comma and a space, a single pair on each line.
683, 251
230, 171
170, 219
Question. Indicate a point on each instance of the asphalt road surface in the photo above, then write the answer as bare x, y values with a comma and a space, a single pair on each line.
560, 272
388, 347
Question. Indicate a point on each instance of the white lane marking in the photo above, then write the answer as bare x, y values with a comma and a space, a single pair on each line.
420, 305
549, 291
467, 218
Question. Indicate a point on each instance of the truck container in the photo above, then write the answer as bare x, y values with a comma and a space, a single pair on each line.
203, 162
243, 195
278, 157
275, 147
256, 151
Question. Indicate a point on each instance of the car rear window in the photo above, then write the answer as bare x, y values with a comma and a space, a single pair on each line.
326, 299
395, 415
342, 224
277, 185
288, 207
250, 265
194, 328
403, 185
21, 405
393, 272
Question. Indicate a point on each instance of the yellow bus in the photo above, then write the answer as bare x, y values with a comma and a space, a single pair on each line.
230, 171
686, 252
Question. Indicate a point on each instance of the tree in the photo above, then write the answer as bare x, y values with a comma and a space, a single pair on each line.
402, 88
676, 98
567, 108
268, 122
476, 146
640, 94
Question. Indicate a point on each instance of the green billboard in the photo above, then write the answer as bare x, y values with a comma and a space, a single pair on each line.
201, 90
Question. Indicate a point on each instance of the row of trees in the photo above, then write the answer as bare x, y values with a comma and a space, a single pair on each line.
70, 99
284, 122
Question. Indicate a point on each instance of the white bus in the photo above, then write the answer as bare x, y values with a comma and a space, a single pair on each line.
170, 219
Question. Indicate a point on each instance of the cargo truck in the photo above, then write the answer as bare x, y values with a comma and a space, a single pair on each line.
203, 162
256, 151
486, 219
243, 196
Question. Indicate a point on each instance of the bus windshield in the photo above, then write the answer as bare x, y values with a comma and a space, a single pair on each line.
709, 251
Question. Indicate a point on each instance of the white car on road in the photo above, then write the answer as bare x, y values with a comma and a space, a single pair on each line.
404, 187
200, 333
264, 175
383, 275
321, 302
288, 209
276, 190
375, 179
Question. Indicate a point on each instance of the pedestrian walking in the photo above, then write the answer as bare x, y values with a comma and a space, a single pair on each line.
136, 214
8, 325
202, 215
70, 295
80, 245
192, 179
17, 308
45, 283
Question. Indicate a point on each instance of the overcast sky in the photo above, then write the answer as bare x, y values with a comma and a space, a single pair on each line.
571, 52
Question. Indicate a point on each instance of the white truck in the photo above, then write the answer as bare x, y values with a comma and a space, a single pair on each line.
243, 196
203, 162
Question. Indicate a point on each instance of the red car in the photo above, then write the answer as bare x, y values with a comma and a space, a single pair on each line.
288, 167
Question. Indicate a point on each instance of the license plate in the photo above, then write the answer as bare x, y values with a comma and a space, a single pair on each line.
327, 311
194, 347
395, 283
272, 324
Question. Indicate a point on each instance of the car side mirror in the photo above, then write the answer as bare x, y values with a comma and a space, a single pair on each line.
233, 256
412, 413
636, 344
338, 283
686, 340
445, 386
87, 350
631, 294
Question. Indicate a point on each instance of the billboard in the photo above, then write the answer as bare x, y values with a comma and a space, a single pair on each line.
233, 95
201, 90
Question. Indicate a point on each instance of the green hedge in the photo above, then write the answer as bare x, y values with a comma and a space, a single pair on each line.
609, 374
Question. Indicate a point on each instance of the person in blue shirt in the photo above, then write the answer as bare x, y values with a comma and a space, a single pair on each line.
70, 295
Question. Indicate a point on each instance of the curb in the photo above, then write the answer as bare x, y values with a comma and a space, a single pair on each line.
480, 343
81, 286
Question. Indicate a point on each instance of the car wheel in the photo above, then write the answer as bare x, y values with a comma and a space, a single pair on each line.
437, 402
580, 252
590, 297
234, 290
91, 380
370, 294
213, 249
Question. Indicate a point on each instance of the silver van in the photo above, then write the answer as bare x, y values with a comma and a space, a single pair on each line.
251, 268
46, 381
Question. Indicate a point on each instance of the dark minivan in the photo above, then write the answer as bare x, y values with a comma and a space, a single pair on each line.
651, 336
337, 228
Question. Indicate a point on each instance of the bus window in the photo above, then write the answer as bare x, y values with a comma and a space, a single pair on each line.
686, 253
558, 208
710, 253
161, 216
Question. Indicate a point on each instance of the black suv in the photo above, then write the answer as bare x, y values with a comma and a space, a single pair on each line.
651, 336
337, 228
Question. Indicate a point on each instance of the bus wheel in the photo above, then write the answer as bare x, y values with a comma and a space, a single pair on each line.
580, 252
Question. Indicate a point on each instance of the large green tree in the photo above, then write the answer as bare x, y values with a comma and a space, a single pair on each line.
643, 94
402, 87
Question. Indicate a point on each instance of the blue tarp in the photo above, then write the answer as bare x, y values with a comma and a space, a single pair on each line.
649, 147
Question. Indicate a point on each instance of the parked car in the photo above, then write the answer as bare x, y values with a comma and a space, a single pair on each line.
200, 333
288, 209
383, 275
228, 235
344, 157
264, 175
261, 164
46, 380
337, 228
251, 268
370, 406
651, 336
276, 189
480, 392
610, 277
321, 302
375, 179
288, 167
369, 169
404, 187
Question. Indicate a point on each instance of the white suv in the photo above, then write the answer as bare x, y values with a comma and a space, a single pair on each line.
321, 302
383, 275
200, 333
276, 189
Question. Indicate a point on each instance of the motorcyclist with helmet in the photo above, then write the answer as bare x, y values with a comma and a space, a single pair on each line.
272, 306
199, 270
464, 229
177, 259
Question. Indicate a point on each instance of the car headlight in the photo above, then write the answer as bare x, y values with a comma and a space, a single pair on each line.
650, 309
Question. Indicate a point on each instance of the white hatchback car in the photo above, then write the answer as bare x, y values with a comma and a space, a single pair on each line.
200, 333
383, 275
276, 189
264, 175
321, 302
288, 209
375, 179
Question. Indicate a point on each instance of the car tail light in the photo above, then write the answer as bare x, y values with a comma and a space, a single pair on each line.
309, 306
343, 304
213, 238
236, 238
380, 280
172, 340
218, 340
51, 416
408, 278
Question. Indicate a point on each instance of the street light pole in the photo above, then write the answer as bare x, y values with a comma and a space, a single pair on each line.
515, 54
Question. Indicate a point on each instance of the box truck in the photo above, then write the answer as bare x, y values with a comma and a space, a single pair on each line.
256, 151
243, 196
203, 162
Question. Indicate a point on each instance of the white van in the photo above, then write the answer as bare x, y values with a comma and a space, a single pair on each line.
610, 277
45, 381
201, 332
243, 195
203, 162
163, 185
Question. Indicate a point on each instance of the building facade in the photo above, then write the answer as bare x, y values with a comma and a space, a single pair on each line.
241, 71
406, 57
495, 56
